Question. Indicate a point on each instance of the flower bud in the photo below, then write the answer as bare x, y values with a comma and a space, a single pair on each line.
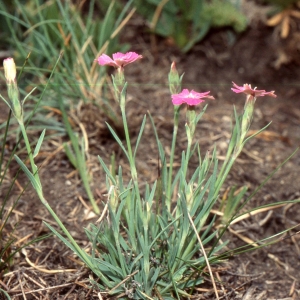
10, 71
174, 80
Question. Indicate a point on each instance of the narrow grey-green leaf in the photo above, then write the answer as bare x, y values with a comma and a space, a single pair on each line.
39, 144
28, 173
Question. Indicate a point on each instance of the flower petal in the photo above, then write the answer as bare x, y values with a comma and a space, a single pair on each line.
122, 59
246, 89
190, 97
119, 59
105, 60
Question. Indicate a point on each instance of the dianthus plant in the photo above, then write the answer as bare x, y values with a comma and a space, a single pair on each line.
148, 247
157, 242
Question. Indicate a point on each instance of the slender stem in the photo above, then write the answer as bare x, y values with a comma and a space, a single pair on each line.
190, 127
85, 257
187, 157
127, 137
189, 134
64, 229
30, 155
234, 149
2, 176
221, 179
129, 148
170, 175
227, 158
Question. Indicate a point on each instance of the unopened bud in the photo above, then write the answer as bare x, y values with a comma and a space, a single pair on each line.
10, 71
174, 80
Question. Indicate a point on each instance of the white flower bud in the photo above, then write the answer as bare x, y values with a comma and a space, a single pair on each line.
10, 71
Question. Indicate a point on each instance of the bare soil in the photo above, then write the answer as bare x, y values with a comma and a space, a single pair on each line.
48, 269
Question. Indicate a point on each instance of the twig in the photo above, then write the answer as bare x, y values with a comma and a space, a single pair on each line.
205, 256
23, 251
49, 288
222, 286
238, 287
124, 280
69, 292
245, 275
34, 281
244, 238
21, 286
252, 213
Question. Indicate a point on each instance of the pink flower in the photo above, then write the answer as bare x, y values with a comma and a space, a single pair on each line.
246, 89
119, 60
190, 97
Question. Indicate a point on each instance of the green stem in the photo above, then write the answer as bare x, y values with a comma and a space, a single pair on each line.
170, 175
127, 137
30, 155
85, 257
228, 157
128, 142
82, 253
222, 178
2, 174
187, 157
